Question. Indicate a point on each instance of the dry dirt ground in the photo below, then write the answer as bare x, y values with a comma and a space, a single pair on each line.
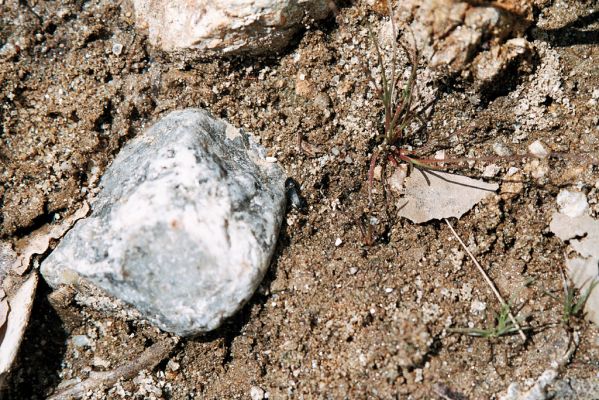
354, 320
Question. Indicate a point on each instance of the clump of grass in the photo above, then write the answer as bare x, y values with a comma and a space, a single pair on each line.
399, 110
502, 326
571, 305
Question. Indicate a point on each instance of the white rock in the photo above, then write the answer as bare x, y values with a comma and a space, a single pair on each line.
537, 148
572, 204
476, 307
256, 393
501, 149
491, 170
184, 226
226, 26
117, 49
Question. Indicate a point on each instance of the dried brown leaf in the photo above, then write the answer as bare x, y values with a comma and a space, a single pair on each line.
436, 195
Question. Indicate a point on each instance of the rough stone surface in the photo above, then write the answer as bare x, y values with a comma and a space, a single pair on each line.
184, 226
452, 33
227, 27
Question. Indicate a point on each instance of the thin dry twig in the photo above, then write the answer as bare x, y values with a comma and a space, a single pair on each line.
147, 360
489, 282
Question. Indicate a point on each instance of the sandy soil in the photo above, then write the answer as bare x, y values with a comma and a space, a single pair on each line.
346, 321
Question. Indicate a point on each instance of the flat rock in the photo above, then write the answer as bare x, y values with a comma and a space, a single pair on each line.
184, 226
226, 26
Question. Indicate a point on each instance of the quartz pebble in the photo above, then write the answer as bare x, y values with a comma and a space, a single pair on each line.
183, 227
572, 204
537, 149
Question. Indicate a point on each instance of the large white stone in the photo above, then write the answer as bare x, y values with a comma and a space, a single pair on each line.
184, 226
226, 26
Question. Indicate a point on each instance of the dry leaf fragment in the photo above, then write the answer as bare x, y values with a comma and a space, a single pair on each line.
39, 241
437, 195
12, 333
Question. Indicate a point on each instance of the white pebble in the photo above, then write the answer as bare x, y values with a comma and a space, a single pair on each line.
477, 307
572, 204
512, 171
501, 149
117, 49
81, 341
491, 170
538, 149
338, 242
256, 393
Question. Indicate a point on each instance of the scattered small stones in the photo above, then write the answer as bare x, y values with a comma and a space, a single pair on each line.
184, 226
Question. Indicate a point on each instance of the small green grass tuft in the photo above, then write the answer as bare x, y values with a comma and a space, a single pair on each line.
572, 307
503, 326
399, 109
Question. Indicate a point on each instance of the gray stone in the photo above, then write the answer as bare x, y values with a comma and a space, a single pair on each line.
184, 226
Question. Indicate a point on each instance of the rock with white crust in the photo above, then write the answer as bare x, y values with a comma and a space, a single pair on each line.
184, 226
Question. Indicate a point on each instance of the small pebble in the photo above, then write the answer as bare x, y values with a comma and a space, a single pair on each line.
81, 341
476, 307
338, 242
100, 362
501, 149
538, 149
173, 365
353, 270
256, 393
572, 204
117, 49
491, 170
512, 171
